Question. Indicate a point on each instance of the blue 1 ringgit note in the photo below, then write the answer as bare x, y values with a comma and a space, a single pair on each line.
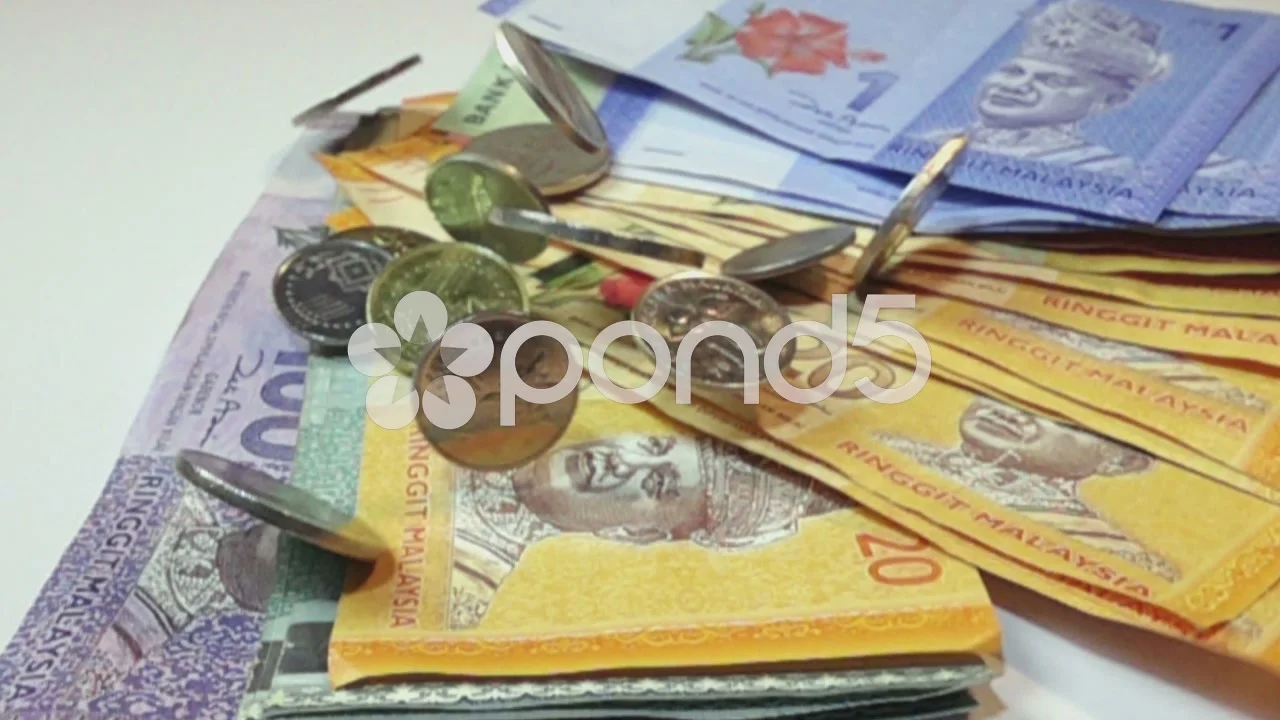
1107, 108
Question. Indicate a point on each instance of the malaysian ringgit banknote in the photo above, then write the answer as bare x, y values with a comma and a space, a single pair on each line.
1253, 635
155, 607
502, 574
658, 137
1105, 107
1227, 337
291, 678
1066, 501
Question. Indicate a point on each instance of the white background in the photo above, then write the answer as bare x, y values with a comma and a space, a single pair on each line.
137, 133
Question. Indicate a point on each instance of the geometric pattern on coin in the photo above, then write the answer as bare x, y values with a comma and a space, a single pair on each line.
915, 200
466, 279
544, 156
279, 504
454, 372
463, 189
788, 254
678, 305
394, 240
549, 85
322, 289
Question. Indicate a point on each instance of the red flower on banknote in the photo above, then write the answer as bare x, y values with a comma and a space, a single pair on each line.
786, 42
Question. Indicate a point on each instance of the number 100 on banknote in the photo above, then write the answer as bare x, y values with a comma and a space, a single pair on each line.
1105, 106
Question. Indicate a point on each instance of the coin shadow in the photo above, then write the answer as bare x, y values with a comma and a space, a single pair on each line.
1233, 683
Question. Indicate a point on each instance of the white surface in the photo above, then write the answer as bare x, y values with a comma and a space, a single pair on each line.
136, 135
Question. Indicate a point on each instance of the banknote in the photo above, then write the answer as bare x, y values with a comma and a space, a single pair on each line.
1254, 635
1153, 86
291, 677
1242, 175
1221, 412
1148, 260
154, 607
1253, 339
660, 138
516, 583
1232, 297
960, 336
1048, 494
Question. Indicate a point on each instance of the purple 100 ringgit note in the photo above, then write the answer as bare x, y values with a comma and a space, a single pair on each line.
155, 608
1103, 106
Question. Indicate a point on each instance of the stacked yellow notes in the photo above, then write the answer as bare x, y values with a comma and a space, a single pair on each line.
1098, 424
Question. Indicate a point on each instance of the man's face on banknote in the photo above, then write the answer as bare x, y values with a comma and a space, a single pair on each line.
630, 488
1027, 92
1003, 435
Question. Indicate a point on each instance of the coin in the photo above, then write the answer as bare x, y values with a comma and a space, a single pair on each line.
466, 279
788, 254
291, 509
321, 290
464, 188
913, 203
544, 156
554, 227
546, 81
394, 240
482, 442
678, 305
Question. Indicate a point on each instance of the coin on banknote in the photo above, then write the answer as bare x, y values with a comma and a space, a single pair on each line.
463, 189
679, 308
547, 82
913, 203
461, 379
464, 278
788, 254
544, 156
322, 289
394, 240
288, 508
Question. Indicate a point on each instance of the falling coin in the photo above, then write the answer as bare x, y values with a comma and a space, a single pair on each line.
913, 203
462, 191
321, 290
291, 509
456, 377
788, 254
394, 240
465, 278
551, 88
544, 156
551, 226
677, 307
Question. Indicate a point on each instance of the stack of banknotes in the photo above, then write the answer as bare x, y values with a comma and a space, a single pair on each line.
1099, 424
1115, 113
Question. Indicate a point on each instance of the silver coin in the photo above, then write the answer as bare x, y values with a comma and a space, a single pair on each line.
788, 254
539, 222
914, 202
678, 306
546, 81
545, 156
482, 442
291, 509
321, 290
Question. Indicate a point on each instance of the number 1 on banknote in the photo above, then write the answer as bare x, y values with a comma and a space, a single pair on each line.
878, 83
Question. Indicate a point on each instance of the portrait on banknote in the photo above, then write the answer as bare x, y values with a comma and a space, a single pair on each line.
1036, 466
634, 489
1077, 60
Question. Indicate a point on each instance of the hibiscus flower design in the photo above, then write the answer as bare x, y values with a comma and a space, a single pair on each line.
780, 40
804, 43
